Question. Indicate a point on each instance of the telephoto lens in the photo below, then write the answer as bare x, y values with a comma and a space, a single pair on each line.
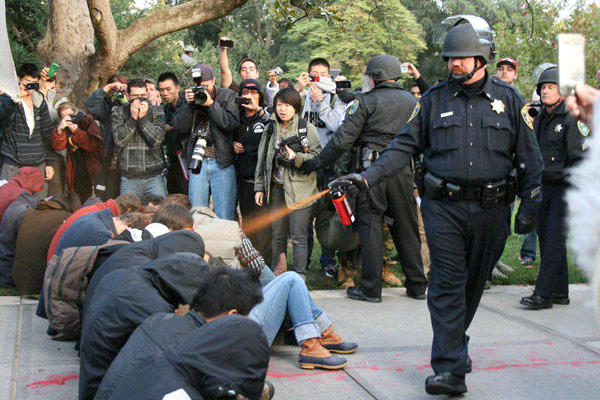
198, 154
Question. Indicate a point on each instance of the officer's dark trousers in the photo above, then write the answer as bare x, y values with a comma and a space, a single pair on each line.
465, 241
392, 197
553, 278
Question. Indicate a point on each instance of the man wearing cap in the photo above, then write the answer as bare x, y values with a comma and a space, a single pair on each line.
217, 120
370, 124
472, 132
506, 70
562, 141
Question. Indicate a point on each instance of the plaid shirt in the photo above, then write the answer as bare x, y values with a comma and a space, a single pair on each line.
140, 142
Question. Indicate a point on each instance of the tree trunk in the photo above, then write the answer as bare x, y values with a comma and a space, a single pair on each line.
73, 25
69, 40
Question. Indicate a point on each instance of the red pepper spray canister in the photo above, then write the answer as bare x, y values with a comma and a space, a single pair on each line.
340, 202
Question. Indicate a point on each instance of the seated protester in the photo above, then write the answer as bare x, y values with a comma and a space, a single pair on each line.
137, 224
207, 352
247, 69
9, 229
26, 129
121, 205
81, 137
123, 300
92, 230
279, 183
177, 198
174, 217
209, 126
139, 132
254, 123
27, 179
287, 294
139, 253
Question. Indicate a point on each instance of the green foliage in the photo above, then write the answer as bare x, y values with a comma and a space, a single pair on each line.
366, 30
26, 23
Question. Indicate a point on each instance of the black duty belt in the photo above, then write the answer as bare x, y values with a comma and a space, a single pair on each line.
488, 194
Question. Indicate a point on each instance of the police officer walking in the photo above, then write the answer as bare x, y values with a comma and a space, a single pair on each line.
472, 133
369, 125
562, 141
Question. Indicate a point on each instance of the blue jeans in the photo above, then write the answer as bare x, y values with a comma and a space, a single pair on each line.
529, 247
155, 185
288, 293
220, 182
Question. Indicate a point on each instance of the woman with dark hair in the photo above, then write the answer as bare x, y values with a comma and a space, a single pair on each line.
278, 181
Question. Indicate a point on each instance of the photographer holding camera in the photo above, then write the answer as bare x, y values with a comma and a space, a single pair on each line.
81, 136
139, 132
207, 122
26, 128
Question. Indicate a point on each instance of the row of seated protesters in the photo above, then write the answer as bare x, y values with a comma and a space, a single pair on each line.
120, 276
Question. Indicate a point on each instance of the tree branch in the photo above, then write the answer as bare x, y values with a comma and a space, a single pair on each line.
104, 27
168, 20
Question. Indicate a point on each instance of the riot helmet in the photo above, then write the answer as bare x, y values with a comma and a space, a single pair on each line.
383, 68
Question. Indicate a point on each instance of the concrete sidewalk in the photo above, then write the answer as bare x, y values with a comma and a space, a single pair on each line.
517, 354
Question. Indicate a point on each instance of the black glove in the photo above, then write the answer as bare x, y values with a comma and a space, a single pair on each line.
525, 218
351, 183
311, 165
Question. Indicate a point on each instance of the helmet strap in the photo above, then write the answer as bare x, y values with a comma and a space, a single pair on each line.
462, 78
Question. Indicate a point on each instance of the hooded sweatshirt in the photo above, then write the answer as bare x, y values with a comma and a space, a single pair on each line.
139, 253
28, 179
170, 352
75, 216
90, 230
123, 300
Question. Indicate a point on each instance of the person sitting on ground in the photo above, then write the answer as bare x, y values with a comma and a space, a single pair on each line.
123, 300
177, 198
206, 353
287, 294
121, 205
28, 179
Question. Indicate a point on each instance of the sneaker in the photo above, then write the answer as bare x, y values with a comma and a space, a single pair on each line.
527, 261
330, 270
504, 267
496, 273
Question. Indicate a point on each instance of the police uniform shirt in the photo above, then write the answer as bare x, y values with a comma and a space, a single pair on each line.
371, 120
562, 141
467, 140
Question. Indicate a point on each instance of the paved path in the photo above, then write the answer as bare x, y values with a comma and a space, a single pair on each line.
517, 354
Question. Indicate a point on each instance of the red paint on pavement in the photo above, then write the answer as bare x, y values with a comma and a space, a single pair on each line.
52, 380
537, 365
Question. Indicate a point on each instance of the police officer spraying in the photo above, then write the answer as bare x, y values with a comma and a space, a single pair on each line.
368, 127
472, 132
562, 142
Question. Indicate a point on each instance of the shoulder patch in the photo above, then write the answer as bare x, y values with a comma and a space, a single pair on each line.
583, 129
526, 117
415, 111
353, 106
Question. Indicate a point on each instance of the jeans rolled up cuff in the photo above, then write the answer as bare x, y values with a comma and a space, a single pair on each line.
306, 331
323, 321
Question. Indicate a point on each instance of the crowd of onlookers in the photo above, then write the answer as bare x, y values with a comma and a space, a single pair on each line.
134, 221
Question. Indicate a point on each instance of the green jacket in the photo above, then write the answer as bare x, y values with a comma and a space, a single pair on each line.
297, 186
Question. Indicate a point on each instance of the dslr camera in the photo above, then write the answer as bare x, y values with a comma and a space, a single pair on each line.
32, 86
198, 90
118, 97
241, 100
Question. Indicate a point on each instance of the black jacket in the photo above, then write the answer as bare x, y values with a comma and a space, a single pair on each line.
170, 352
9, 228
224, 121
371, 121
124, 299
561, 139
467, 140
18, 146
100, 106
139, 253
251, 131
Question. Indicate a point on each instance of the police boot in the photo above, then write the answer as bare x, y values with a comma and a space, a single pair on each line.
346, 277
268, 391
335, 344
390, 278
314, 355
445, 383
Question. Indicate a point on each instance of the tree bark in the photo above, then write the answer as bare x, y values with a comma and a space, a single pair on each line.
73, 24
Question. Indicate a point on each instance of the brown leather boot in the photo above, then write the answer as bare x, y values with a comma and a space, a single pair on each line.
390, 278
281, 265
335, 344
314, 355
345, 276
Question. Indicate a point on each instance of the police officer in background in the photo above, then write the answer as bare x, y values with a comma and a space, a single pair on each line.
472, 133
368, 127
562, 141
